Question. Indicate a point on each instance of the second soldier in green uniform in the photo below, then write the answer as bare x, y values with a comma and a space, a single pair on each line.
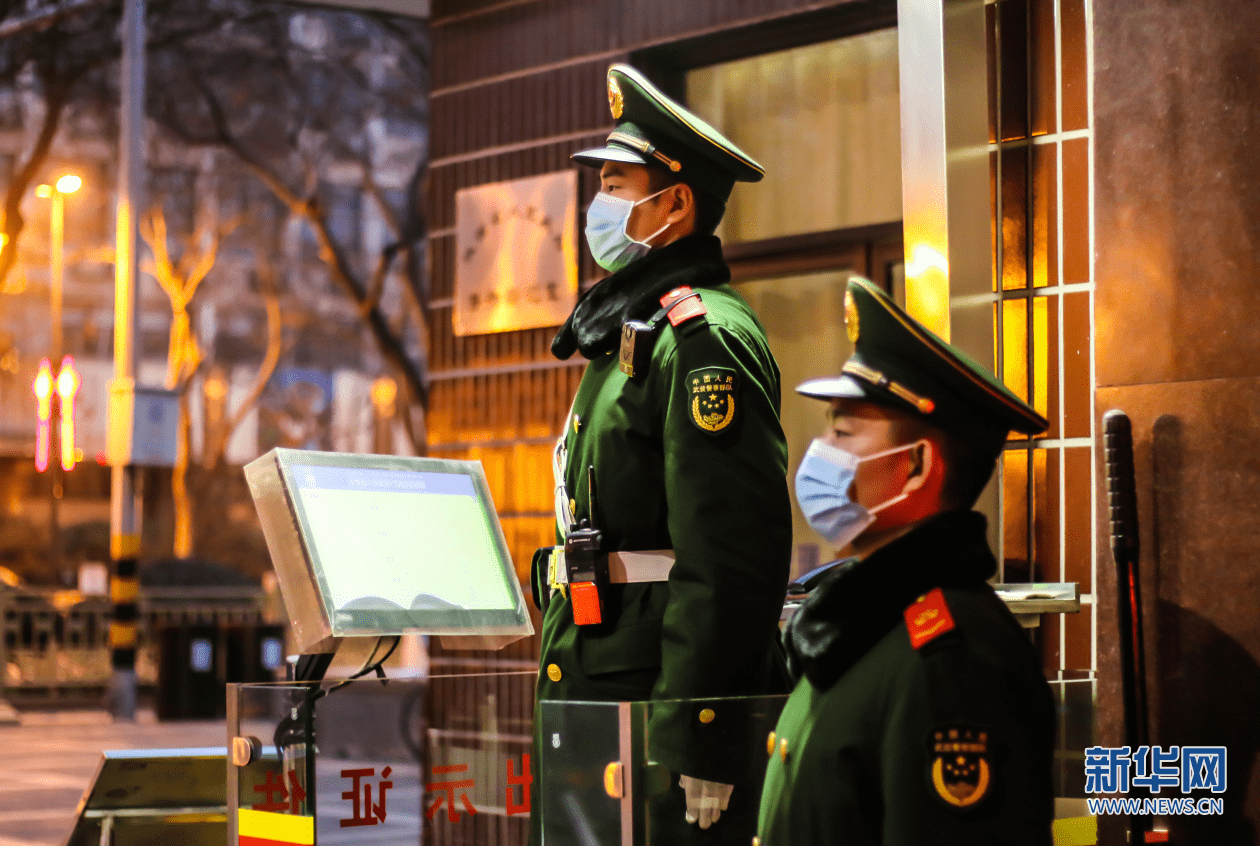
673, 448
922, 714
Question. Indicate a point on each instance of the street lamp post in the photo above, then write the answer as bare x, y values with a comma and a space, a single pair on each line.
56, 192
124, 499
67, 184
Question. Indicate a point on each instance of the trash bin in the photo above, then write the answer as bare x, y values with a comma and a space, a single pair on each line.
254, 653
190, 673
195, 663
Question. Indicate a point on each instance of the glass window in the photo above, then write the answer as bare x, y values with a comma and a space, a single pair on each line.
824, 120
1042, 321
804, 320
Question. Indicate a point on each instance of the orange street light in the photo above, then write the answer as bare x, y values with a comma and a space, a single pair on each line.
68, 184
384, 391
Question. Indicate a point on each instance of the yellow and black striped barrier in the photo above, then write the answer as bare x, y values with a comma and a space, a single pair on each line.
124, 591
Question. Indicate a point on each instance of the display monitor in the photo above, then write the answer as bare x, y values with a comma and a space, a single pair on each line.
372, 545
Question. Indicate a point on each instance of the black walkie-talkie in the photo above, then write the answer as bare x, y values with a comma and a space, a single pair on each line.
586, 564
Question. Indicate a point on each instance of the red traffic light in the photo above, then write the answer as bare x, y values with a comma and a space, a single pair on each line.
42, 387
68, 384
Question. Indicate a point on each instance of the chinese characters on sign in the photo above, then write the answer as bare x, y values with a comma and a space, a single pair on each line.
279, 798
446, 790
449, 796
1110, 769
524, 780
515, 254
365, 796
365, 812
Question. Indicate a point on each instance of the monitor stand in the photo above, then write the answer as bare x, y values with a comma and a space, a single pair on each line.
308, 668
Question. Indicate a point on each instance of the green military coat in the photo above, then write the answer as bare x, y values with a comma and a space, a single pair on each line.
701, 472
916, 721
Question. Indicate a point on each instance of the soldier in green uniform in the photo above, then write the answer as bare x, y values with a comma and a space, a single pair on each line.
673, 450
921, 714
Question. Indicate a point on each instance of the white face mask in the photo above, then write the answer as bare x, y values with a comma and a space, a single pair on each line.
822, 490
606, 221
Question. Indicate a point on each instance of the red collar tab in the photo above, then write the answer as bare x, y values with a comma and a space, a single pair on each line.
928, 618
683, 304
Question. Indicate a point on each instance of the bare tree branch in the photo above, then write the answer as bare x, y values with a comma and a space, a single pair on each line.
44, 18
275, 345
14, 222
201, 260
153, 233
66, 45
290, 146
330, 252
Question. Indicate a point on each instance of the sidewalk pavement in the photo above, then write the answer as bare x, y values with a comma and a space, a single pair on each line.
47, 762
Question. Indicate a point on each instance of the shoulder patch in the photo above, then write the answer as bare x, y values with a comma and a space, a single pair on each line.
712, 398
687, 305
960, 767
928, 618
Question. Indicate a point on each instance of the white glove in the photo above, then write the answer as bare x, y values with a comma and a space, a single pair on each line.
706, 800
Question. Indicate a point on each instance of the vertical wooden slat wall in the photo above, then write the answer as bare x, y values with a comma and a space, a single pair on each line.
518, 86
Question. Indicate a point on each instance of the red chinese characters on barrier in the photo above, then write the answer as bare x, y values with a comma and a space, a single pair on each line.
448, 789
366, 810
279, 799
363, 810
449, 795
525, 779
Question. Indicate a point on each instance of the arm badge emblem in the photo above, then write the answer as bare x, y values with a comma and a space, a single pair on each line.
712, 397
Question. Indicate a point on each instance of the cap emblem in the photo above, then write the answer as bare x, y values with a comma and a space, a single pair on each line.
851, 317
615, 101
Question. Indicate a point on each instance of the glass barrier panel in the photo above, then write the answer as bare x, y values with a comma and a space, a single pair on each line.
1074, 731
443, 760
613, 773
723, 741
446, 760
258, 712
580, 748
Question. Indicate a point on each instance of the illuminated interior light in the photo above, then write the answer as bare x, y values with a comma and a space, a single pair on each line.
923, 259
927, 288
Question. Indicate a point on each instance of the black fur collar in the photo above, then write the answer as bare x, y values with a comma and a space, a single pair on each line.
861, 601
634, 292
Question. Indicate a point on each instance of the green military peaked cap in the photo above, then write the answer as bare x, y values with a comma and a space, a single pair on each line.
654, 130
899, 363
